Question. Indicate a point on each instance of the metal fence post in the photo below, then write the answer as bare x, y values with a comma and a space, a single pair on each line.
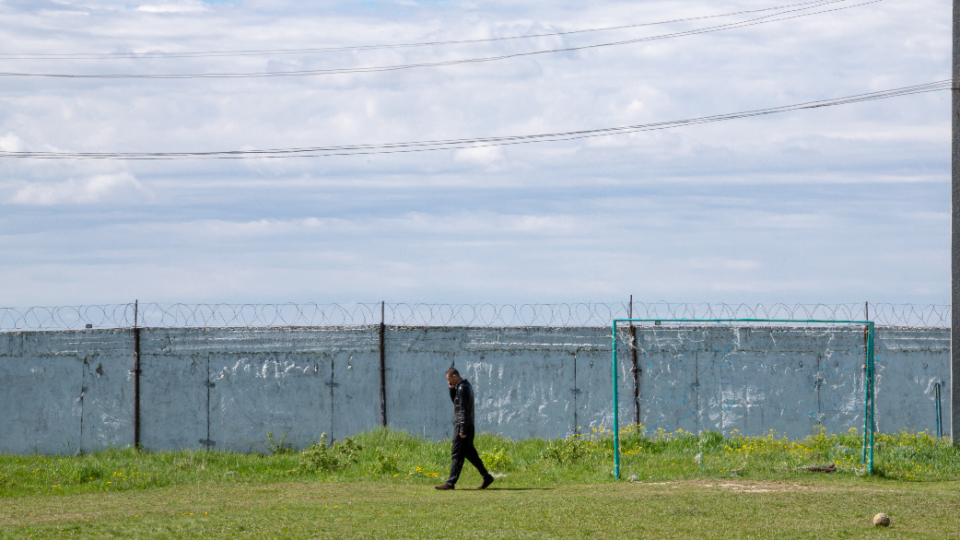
383, 364
136, 375
936, 391
616, 408
636, 368
869, 422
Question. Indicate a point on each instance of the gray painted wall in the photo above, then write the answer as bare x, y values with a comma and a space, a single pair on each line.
67, 392
63, 392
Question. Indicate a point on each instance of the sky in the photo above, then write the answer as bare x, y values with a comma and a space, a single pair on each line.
831, 205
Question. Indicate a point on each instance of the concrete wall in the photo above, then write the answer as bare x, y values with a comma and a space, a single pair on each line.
231, 386
909, 362
67, 392
529, 382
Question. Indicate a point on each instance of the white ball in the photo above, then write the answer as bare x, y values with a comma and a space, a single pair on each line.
881, 520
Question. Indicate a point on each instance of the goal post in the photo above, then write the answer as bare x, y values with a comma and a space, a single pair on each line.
670, 328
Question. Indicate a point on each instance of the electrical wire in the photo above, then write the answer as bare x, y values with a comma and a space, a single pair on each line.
205, 54
766, 19
480, 142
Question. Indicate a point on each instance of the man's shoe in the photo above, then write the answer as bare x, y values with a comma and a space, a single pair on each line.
443, 486
486, 482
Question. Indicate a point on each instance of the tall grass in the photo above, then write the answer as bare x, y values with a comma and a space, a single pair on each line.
392, 456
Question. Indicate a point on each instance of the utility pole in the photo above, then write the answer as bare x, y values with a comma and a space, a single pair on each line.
955, 236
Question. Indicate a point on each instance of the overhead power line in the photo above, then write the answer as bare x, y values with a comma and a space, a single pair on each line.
479, 142
264, 52
766, 19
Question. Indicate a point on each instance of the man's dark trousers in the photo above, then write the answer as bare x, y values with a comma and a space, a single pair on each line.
463, 448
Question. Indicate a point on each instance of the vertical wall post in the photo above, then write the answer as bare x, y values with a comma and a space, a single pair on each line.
867, 422
136, 375
616, 407
869, 399
383, 364
936, 389
636, 368
955, 237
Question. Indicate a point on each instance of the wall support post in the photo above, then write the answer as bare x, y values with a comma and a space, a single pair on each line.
383, 364
616, 405
936, 392
136, 375
636, 368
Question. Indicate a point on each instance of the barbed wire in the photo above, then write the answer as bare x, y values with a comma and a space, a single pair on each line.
257, 315
485, 315
587, 314
883, 314
66, 317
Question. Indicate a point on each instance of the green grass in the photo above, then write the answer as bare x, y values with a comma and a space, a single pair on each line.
390, 456
381, 487
821, 507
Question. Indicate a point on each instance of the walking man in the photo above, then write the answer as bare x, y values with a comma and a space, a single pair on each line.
461, 393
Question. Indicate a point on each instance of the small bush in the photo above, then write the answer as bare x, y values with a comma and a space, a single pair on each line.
348, 450
279, 448
385, 463
6, 481
322, 458
496, 459
710, 440
570, 450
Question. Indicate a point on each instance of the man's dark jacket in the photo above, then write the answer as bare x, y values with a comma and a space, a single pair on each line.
462, 397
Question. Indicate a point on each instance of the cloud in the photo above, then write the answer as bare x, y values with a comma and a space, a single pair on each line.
480, 155
11, 143
186, 6
114, 188
786, 207
722, 264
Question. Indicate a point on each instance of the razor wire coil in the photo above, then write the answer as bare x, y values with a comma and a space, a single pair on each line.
569, 315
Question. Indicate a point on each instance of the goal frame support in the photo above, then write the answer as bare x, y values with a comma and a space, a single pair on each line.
868, 378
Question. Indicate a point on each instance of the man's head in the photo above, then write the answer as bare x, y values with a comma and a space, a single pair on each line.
453, 377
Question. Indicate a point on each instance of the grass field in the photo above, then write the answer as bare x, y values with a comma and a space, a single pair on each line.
379, 486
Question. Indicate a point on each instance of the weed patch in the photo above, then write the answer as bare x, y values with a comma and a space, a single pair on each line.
323, 458
390, 456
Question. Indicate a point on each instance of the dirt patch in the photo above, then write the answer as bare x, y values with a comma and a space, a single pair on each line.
740, 488
761, 486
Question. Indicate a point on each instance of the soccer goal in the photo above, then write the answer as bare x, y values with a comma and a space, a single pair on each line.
778, 380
